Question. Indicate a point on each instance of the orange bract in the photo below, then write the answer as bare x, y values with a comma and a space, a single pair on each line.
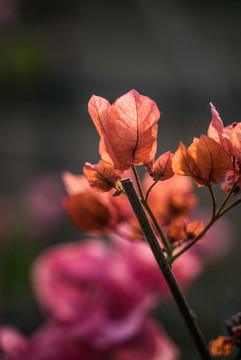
205, 161
217, 132
86, 212
194, 228
98, 108
235, 140
101, 177
176, 230
128, 129
221, 346
89, 210
171, 199
162, 168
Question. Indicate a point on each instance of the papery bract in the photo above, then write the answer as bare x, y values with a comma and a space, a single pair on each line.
132, 129
194, 228
217, 132
87, 212
101, 177
128, 129
162, 168
205, 161
171, 199
90, 210
176, 230
235, 140
223, 345
98, 108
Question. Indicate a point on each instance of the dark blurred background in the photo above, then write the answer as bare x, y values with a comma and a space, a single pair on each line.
53, 56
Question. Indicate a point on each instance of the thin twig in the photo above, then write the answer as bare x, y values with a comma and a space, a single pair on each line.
213, 200
226, 199
152, 186
230, 207
166, 269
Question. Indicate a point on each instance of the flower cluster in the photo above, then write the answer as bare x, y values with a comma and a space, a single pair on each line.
97, 294
225, 345
128, 137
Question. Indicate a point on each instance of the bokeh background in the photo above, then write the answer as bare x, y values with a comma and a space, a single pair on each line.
54, 56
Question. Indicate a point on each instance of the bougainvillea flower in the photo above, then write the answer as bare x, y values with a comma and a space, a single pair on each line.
171, 199
91, 284
87, 213
194, 228
132, 129
128, 128
205, 161
92, 211
162, 168
235, 140
180, 230
101, 177
223, 345
176, 230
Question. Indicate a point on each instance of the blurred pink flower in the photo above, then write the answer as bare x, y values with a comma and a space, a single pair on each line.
90, 285
56, 342
145, 269
48, 343
96, 309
